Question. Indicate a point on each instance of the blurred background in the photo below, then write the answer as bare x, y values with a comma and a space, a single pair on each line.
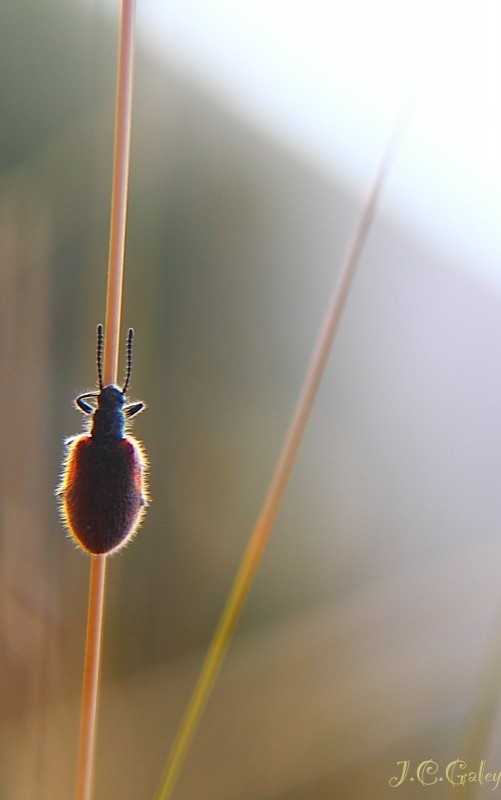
371, 634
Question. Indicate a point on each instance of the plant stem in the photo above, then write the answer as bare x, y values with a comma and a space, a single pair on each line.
123, 120
119, 196
85, 770
259, 536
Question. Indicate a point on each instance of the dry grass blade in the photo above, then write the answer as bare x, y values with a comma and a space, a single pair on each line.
123, 119
85, 769
278, 482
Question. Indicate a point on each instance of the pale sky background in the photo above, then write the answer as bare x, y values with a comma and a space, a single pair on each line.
328, 79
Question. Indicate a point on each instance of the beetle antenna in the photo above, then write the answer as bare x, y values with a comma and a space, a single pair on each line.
130, 337
99, 357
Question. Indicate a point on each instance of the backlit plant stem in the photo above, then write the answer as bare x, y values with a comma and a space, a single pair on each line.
259, 536
123, 118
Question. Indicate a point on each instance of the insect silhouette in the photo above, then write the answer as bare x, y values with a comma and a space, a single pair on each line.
103, 493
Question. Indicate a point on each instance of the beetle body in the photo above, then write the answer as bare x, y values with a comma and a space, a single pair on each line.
103, 490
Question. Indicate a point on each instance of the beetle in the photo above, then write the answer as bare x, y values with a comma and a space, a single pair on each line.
103, 491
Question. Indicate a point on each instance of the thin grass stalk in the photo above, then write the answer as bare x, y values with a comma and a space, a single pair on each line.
266, 517
119, 196
88, 724
123, 122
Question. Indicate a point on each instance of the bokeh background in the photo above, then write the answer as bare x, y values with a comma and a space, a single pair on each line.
370, 636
